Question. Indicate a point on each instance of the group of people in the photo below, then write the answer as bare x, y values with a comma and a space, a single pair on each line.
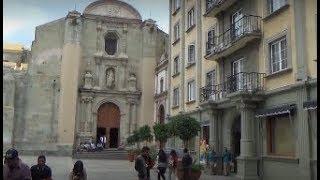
14, 169
143, 164
209, 157
90, 146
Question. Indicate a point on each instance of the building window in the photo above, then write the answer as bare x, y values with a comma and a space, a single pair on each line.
211, 38
191, 91
111, 43
175, 5
191, 21
176, 30
176, 97
161, 85
276, 4
176, 65
278, 55
191, 54
210, 78
280, 139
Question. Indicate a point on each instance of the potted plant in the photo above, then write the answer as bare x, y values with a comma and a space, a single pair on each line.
196, 171
186, 128
161, 133
131, 141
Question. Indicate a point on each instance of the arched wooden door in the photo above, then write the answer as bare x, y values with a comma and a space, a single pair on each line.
109, 124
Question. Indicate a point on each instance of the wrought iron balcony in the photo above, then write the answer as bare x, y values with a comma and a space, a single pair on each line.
242, 82
214, 7
237, 36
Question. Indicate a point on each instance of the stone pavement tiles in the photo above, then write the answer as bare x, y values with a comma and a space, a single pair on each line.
100, 169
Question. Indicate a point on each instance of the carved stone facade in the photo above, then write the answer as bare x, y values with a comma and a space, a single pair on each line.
71, 76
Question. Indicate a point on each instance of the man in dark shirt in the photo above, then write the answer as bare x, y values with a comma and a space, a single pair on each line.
41, 171
141, 164
14, 168
186, 164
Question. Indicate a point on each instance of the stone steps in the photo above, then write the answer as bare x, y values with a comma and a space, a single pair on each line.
105, 154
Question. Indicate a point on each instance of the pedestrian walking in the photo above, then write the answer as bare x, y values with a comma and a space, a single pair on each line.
41, 171
173, 162
141, 164
226, 156
78, 172
162, 164
14, 168
186, 164
149, 161
213, 161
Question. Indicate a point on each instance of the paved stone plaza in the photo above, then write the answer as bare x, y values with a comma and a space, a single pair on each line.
98, 169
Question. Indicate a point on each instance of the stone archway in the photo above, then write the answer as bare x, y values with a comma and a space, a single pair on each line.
109, 123
161, 114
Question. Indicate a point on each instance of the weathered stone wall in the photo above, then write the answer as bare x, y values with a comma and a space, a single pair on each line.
40, 110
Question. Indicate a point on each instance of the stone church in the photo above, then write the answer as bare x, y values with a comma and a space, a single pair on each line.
88, 74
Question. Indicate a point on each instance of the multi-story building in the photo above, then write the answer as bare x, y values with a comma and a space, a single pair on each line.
247, 71
161, 105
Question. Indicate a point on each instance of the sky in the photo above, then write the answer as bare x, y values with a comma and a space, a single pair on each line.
22, 16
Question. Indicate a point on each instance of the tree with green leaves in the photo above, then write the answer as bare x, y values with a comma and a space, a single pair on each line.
145, 134
161, 133
185, 127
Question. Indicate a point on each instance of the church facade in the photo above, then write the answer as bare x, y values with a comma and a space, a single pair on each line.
89, 74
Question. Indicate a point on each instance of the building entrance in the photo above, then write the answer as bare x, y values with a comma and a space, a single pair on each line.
109, 124
236, 137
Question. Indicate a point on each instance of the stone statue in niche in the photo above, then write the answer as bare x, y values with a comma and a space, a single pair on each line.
110, 77
88, 80
132, 81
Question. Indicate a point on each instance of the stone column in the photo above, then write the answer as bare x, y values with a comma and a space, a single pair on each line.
129, 121
97, 69
134, 116
247, 161
101, 76
88, 120
302, 134
99, 44
214, 130
94, 124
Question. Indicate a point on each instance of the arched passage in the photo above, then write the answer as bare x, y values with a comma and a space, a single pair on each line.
161, 114
109, 123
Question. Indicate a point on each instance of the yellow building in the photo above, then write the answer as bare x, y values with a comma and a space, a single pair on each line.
247, 71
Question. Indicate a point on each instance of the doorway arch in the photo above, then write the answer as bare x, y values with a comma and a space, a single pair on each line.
235, 139
109, 123
161, 114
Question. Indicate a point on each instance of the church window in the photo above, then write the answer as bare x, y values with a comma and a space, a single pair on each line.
111, 43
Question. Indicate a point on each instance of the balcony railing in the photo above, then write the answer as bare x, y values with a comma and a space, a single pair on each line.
242, 82
248, 24
213, 3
